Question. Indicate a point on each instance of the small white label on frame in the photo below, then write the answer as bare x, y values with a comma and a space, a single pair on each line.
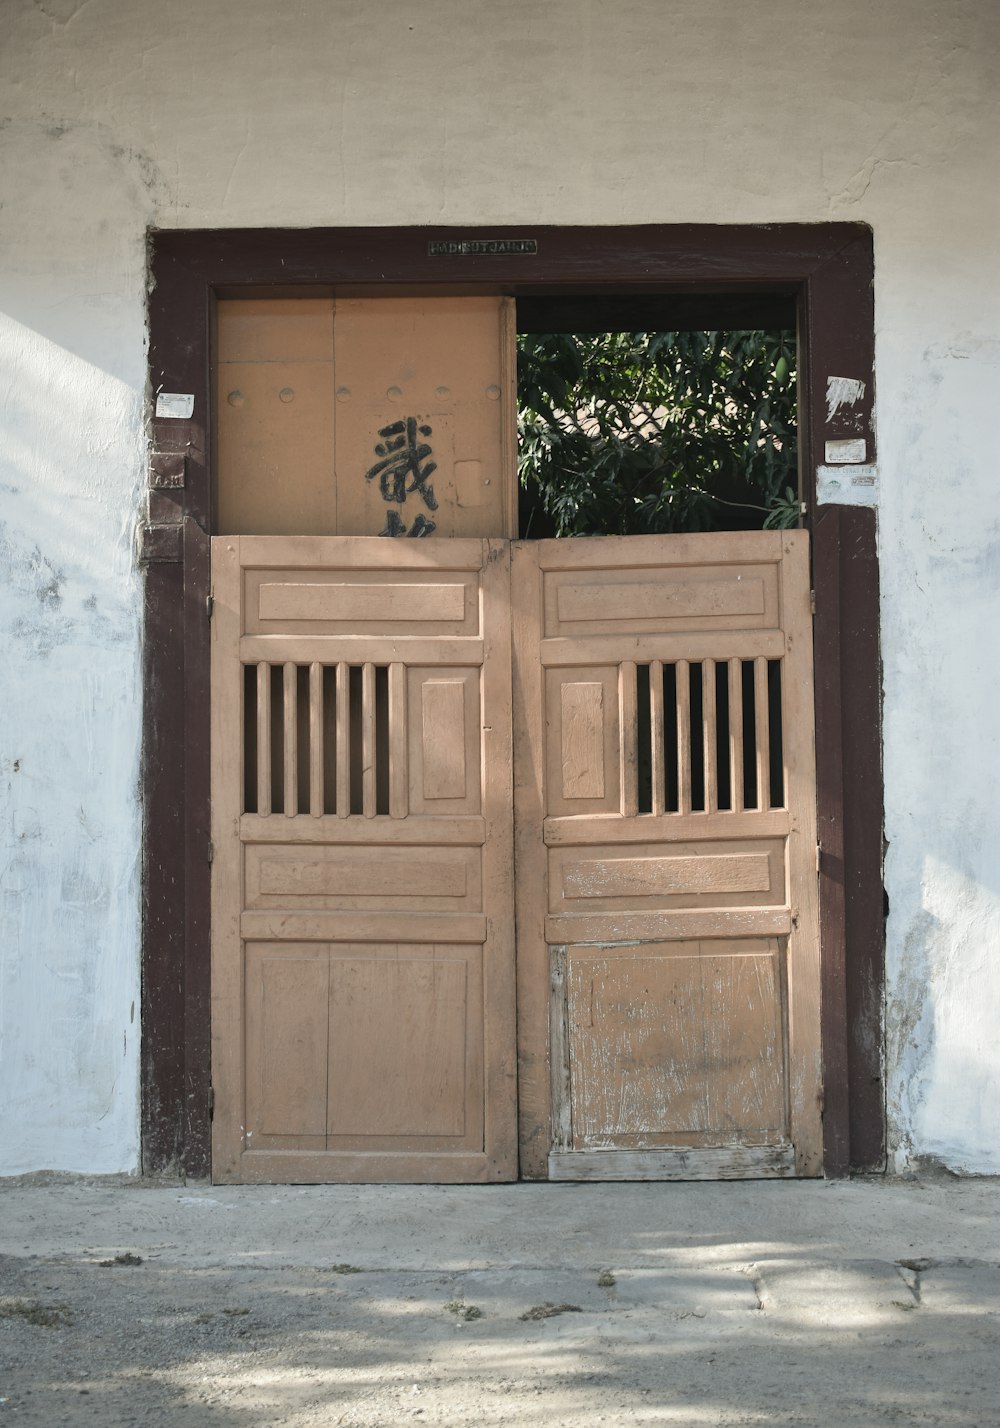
852, 452
175, 404
847, 486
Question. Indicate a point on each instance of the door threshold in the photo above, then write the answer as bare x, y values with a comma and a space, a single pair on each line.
731, 1162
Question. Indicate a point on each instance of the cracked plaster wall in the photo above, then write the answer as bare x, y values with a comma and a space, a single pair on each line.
118, 114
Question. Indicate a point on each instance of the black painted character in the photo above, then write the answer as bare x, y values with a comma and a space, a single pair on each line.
394, 526
404, 456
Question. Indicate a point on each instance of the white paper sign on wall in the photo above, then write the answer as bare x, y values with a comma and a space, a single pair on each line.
175, 404
847, 486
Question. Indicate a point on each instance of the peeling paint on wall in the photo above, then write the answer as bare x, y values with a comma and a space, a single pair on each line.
842, 392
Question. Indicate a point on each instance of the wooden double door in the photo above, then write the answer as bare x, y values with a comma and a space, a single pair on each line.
514, 859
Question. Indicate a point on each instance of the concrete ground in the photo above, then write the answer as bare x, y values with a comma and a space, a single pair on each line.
695, 1304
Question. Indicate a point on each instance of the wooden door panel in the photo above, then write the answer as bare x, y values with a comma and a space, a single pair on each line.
362, 937
365, 416
711, 873
668, 680
582, 744
677, 1040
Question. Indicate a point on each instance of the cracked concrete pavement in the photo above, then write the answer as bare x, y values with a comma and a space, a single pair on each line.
762, 1302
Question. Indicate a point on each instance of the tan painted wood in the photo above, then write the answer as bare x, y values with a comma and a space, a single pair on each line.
681, 933
710, 726
264, 738
345, 649
443, 744
804, 1047
538, 1079
362, 926
399, 779
763, 735
368, 739
607, 649
683, 675
291, 742
658, 767
495, 738
628, 769
409, 830
316, 734
729, 1163
582, 723
736, 734
720, 870
228, 995
622, 926
684, 828
343, 740
305, 389
364, 969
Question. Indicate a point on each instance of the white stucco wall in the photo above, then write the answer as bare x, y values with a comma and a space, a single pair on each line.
118, 114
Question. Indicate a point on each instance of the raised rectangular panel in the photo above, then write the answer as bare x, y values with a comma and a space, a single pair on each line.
636, 1059
660, 600
442, 716
398, 1053
712, 874
363, 877
683, 1047
361, 603
287, 998
444, 741
668, 876
582, 723
640, 600
581, 740
306, 603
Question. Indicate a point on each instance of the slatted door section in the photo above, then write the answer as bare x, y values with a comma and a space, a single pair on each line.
668, 960
363, 1001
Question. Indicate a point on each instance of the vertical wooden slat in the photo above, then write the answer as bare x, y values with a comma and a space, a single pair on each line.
343, 740
291, 730
762, 722
709, 717
627, 722
398, 766
736, 734
316, 739
264, 738
683, 736
368, 800
657, 770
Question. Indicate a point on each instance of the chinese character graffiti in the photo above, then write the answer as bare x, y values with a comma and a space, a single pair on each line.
404, 458
394, 526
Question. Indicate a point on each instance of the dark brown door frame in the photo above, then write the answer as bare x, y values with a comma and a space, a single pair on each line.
827, 272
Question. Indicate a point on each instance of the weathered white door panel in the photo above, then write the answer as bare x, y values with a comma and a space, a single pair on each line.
668, 985
362, 967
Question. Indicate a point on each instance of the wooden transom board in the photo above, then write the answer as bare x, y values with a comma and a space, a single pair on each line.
668, 949
362, 944
365, 416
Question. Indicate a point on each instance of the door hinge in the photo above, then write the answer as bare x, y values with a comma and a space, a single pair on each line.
819, 855
209, 851
209, 605
812, 601
211, 1103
